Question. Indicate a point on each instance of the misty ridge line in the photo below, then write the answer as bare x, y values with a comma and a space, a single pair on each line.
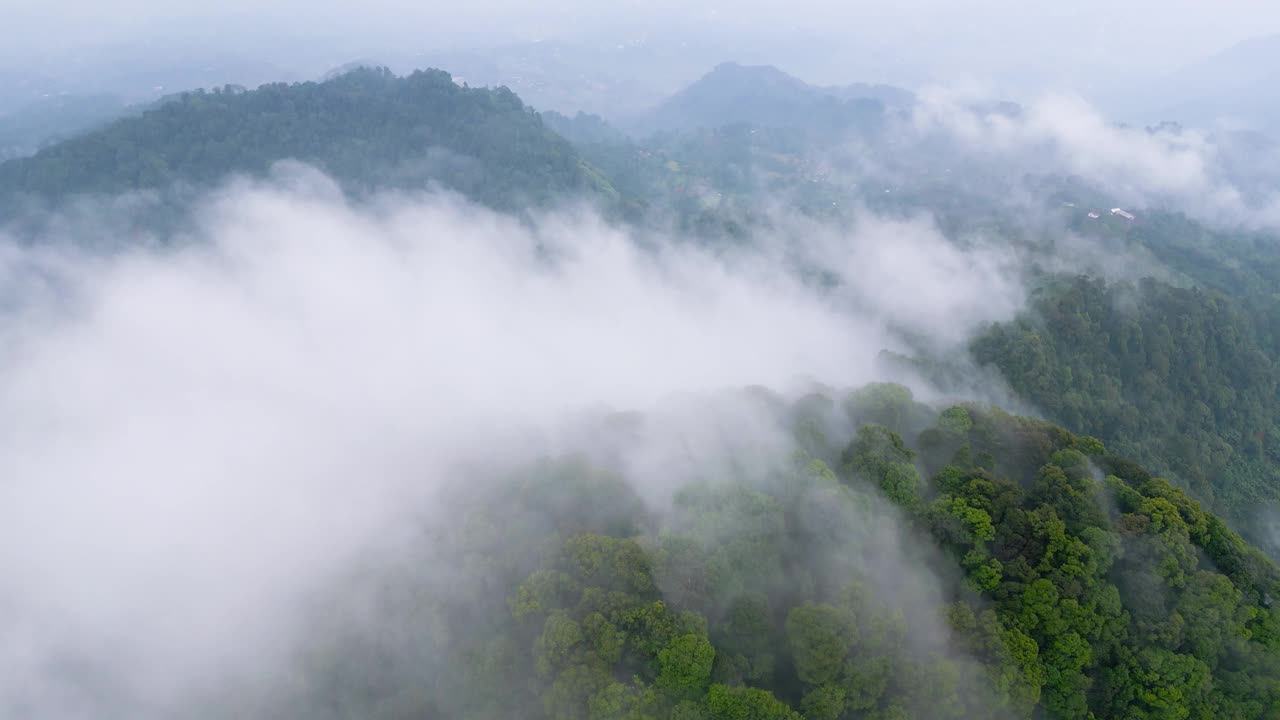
939, 113
1167, 168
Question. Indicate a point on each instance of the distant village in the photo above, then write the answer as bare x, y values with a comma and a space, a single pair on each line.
1118, 212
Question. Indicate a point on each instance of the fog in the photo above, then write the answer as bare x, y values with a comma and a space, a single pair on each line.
197, 434
1214, 177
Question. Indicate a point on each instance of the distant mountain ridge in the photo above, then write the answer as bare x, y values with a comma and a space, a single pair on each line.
1233, 89
766, 96
49, 120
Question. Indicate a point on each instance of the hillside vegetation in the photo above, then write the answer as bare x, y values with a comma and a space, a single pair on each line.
367, 128
956, 565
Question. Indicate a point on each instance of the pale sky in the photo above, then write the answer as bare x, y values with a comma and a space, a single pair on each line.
1005, 42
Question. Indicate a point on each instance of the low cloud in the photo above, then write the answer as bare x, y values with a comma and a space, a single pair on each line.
1168, 167
198, 433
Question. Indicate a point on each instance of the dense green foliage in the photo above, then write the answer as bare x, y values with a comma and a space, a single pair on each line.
992, 566
1178, 377
367, 128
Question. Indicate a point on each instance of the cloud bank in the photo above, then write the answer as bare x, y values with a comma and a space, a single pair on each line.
1169, 167
197, 433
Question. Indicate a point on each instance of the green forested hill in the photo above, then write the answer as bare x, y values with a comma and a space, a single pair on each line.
1178, 377
367, 128
968, 564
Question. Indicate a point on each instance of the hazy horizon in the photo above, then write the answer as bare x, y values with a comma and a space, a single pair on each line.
1090, 47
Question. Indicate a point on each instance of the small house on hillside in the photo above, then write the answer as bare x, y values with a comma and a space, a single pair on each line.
1121, 213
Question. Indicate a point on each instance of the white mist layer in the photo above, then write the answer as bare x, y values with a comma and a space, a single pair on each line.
1217, 178
193, 438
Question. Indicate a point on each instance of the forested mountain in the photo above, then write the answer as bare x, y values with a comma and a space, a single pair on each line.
367, 128
956, 565
1175, 365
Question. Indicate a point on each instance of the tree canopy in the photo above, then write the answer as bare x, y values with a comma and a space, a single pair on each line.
1024, 572
366, 128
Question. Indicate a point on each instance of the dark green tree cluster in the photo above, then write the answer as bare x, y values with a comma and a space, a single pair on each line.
962, 564
1112, 596
1179, 378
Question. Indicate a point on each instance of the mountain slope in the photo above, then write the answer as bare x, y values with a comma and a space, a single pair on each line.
367, 128
1178, 378
948, 566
